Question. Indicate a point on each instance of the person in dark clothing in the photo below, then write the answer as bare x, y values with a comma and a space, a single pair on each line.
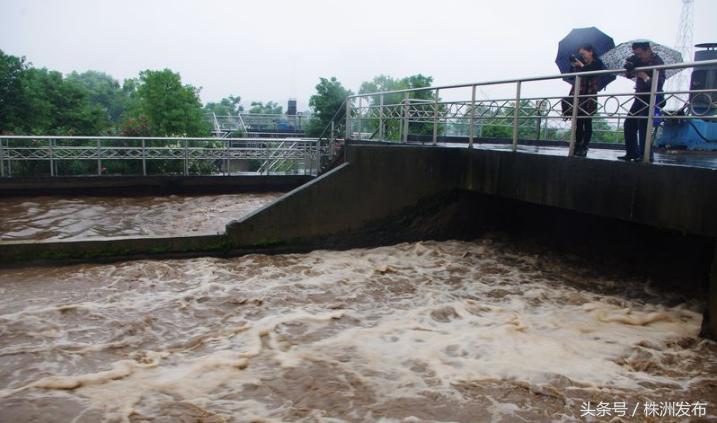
636, 123
586, 61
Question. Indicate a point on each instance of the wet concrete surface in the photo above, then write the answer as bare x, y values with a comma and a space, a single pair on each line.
702, 159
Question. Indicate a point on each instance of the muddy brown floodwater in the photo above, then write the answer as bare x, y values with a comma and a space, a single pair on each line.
40, 218
416, 332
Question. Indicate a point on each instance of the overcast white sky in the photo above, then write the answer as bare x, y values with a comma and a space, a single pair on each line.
275, 49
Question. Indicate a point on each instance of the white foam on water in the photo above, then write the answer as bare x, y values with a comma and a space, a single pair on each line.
257, 336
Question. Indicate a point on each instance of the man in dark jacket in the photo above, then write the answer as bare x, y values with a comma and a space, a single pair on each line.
636, 123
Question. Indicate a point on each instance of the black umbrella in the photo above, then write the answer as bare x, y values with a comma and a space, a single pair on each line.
578, 37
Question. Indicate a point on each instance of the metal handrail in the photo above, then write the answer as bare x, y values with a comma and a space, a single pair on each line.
110, 137
436, 111
683, 65
15, 149
505, 81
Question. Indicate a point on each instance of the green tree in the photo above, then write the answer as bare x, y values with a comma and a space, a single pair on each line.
12, 99
386, 83
40, 101
227, 106
270, 108
603, 131
169, 107
104, 91
496, 121
57, 106
326, 104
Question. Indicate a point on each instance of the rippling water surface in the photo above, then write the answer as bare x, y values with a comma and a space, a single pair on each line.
416, 332
39, 218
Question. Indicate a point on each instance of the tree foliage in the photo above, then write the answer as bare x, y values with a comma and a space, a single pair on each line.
269, 108
326, 104
56, 106
169, 107
382, 83
12, 95
104, 91
227, 106
40, 101
157, 103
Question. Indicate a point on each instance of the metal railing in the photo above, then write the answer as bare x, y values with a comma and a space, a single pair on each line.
86, 155
386, 116
396, 115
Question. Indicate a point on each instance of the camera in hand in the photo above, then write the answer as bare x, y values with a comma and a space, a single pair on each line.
631, 63
574, 58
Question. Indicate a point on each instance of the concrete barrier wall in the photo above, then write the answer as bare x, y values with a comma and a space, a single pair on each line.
373, 184
668, 197
379, 180
15, 252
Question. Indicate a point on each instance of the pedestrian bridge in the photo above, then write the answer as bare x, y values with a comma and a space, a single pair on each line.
395, 166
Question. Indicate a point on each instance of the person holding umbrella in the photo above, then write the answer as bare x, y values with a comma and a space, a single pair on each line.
586, 61
630, 55
580, 51
636, 123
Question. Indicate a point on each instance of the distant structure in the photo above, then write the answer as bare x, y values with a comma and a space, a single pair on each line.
683, 44
291, 108
292, 123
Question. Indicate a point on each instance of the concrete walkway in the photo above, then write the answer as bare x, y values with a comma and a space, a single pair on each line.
702, 159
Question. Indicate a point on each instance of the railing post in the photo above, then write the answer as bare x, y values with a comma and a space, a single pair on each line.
516, 116
225, 147
472, 120
358, 116
404, 133
574, 118
186, 157
99, 157
651, 116
348, 118
9, 159
2, 159
381, 134
305, 162
144, 158
268, 158
539, 120
311, 158
52, 161
435, 118
332, 140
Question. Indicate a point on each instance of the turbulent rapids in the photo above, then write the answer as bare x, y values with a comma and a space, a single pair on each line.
415, 332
